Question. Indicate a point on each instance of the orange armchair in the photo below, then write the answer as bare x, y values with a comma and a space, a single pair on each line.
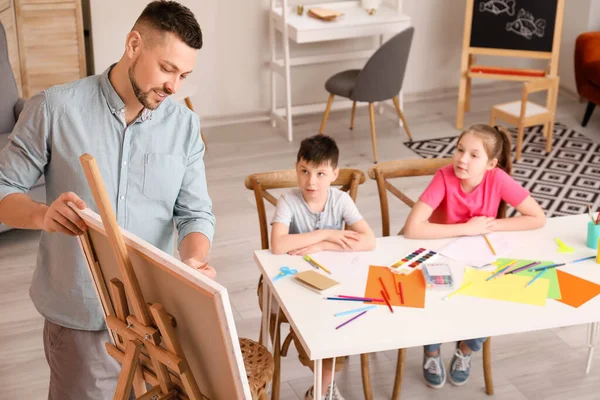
587, 70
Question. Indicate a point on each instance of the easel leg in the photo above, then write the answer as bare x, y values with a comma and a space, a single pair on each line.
128, 369
462, 91
592, 338
468, 90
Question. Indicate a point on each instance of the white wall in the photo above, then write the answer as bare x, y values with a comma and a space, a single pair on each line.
231, 78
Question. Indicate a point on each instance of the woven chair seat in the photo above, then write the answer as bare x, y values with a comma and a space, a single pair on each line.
259, 366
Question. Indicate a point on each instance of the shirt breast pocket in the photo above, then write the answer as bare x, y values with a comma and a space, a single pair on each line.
163, 174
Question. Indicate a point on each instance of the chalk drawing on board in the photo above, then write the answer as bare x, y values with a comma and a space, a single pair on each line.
526, 25
497, 7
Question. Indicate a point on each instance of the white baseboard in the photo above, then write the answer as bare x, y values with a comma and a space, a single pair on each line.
429, 95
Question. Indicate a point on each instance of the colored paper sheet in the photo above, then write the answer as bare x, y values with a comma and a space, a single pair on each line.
576, 291
553, 289
413, 287
505, 287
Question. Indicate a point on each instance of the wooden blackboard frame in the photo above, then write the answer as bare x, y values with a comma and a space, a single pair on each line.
469, 53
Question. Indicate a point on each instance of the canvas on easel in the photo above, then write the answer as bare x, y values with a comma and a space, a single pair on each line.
172, 327
508, 28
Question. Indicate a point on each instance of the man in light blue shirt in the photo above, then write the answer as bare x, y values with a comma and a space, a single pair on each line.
150, 154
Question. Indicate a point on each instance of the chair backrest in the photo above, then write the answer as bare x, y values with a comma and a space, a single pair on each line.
260, 183
8, 88
549, 83
382, 77
400, 169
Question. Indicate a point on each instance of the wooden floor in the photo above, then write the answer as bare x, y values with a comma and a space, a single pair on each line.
539, 365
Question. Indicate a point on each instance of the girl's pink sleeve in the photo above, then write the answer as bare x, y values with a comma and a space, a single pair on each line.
511, 191
435, 192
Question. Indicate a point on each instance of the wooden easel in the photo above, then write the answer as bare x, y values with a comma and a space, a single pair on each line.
469, 69
146, 343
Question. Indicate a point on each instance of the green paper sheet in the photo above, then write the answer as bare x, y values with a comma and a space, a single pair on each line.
553, 289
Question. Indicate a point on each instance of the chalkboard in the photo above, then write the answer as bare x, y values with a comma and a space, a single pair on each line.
513, 24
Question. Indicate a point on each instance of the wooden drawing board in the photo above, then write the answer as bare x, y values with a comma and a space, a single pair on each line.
508, 28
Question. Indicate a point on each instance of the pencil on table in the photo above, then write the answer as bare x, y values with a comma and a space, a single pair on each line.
387, 302
489, 244
400, 292
384, 289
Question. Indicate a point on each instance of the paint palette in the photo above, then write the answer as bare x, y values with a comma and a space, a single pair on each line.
412, 262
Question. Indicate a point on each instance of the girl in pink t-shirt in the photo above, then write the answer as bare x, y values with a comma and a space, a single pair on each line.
468, 198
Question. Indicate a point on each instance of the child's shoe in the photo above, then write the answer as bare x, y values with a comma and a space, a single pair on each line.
336, 395
460, 368
433, 371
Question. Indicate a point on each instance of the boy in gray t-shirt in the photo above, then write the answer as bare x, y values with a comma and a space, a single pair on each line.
311, 218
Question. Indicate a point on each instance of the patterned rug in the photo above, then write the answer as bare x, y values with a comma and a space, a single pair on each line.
564, 182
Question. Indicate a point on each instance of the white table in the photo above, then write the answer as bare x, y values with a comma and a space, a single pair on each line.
312, 317
356, 22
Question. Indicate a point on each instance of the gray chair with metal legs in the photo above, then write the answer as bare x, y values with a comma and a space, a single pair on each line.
380, 80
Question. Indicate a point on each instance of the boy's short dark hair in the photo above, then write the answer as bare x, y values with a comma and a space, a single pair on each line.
319, 149
170, 16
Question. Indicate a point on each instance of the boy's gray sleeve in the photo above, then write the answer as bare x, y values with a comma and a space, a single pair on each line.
351, 214
283, 212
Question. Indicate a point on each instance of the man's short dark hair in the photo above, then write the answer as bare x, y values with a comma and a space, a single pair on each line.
318, 150
170, 16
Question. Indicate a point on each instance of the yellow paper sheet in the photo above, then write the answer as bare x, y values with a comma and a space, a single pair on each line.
506, 287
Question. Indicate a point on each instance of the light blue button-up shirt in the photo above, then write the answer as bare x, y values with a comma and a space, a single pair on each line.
153, 171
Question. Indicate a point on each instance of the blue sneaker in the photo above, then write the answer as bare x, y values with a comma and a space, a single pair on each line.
433, 371
460, 368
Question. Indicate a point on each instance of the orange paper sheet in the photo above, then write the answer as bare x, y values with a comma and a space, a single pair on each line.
576, 291
413, 287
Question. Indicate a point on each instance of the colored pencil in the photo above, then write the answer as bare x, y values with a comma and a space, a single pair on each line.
312, 261
387, 302
350, 320
533, 264
500, 271
354, 311
583, 259
458, 290
597, 218
591, 214
489, 244
543, 267
400, 291
343, 299
384, 289
537, 276
359, 298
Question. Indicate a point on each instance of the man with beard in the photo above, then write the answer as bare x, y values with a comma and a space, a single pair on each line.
150, 154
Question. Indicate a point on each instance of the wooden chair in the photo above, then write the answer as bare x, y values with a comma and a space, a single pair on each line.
401, 169
348, 181
525, 113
